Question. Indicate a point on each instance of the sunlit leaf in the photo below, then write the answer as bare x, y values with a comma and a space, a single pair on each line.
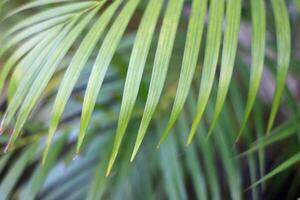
257, 51
233, 15
283, 35
160, 67
136, 65
190, 57
213, 44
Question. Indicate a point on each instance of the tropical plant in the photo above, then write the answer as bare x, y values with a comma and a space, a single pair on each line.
88, 86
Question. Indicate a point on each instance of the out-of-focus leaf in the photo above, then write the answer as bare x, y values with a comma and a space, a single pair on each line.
20, 94
193, 164
98, 72
207, 151
3, 161
103, 60
238, 103
297, 2
36, 182
15, 171
32, 30
282, 132
16, 56
78, 62
259, 123
34, 59
172, 171
49, 68
283, 166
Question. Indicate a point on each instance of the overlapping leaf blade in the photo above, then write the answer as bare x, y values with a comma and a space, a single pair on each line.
36, 182
210, 61
70, 78
207, 152
161, 64
190, 57
16, 56
258, 14
46, 66
283, 35
136, 65
50, 13
34, 59
104, 57
287, 129
233, 15
99, 26
28, 94
283, 166
12, 177
32, 30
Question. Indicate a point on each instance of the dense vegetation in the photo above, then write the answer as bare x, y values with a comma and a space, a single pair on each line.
201, 96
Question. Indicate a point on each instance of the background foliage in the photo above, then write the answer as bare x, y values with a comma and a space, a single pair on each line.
83, 82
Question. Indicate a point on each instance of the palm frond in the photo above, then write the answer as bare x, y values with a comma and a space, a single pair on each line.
283, 32
70, 38
210, 61
258, 13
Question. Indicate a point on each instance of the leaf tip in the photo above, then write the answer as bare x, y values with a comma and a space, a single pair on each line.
192, 132
134, 152
189, 141
132, 157
269, 127
44, 158
45, 153
162, 139
166, 132
190, 138
108, 169
10, 141
209, 133
6, 148
238, 138
240, 134
78, 146
111, 163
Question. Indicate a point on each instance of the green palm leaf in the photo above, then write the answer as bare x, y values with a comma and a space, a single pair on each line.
189, 62
69, 46
33, 4
69, 78
258, 48
90, 41
283, 34
233, 15
136, 65
210, 61
160, 66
